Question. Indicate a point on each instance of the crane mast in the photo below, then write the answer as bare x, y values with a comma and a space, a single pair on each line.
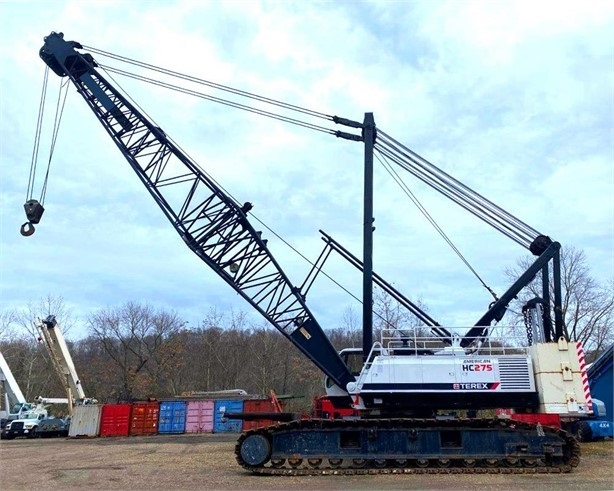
213, 225
63, 364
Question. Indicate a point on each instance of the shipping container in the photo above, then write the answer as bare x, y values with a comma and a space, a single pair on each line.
222, 424
144, 419
85, 421
115, 420
172, 417
258, 406
199, 416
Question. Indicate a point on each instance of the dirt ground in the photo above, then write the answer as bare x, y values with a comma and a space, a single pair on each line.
207, 462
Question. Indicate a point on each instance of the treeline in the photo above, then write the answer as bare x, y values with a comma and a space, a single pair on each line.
135, 352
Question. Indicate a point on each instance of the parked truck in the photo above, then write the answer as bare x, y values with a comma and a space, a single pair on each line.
15, 405
33, 420
27, 419
36, 424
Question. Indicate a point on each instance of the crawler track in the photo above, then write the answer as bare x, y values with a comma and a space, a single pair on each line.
406, 446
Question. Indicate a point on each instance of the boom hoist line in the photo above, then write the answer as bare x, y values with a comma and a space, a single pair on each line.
538, 244
213, 225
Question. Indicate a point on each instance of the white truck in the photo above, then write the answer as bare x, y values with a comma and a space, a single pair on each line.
35, 424
41, 424
21, 418
15, 405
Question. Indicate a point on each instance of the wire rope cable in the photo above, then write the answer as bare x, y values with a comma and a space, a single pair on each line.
411, 195
60, 105
37, 136
208, 83
469, 199
226, 102
388, 151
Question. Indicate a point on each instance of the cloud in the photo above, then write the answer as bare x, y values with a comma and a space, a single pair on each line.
513, 98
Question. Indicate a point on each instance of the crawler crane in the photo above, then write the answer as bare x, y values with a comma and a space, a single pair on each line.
404, 378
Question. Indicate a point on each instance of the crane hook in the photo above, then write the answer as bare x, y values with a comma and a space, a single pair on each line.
27, 229
34, 212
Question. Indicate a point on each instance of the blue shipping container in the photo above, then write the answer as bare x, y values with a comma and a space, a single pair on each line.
172, 417
225, 425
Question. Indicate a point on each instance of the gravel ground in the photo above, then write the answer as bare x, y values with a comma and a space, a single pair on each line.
207, 462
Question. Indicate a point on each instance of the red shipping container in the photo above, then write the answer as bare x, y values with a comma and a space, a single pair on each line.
144, 419
258, 406
115, 420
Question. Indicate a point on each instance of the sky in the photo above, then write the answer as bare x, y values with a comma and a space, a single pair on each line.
514, 99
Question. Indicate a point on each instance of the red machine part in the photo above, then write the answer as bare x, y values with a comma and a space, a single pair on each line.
323, 408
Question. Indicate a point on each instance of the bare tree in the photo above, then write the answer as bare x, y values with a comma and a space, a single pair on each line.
264, 351
49, 305
588, 307
136, 338
392, 315
205, 358
349, 334
8, 325
96, 369
26, 355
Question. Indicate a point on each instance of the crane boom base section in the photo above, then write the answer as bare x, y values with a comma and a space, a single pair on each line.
406, 446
